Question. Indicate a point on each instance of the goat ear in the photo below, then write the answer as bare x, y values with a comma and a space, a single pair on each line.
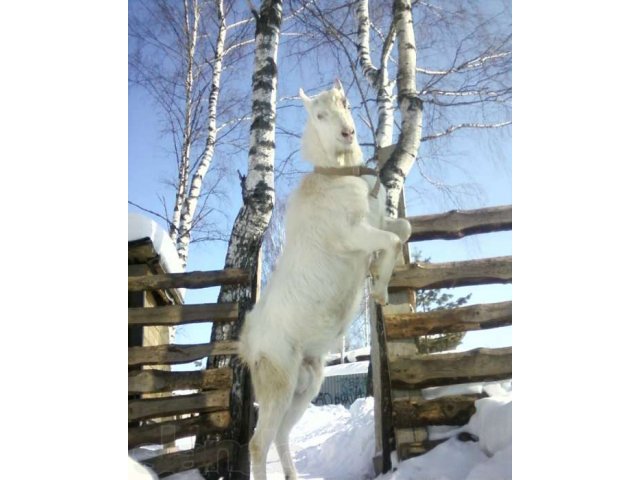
338, 85
305, 100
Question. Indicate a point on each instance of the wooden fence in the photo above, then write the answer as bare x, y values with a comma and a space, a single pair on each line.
400, 372
165, 419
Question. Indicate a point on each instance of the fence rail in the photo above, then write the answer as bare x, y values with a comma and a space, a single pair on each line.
462, 319
452, 274
450, 410
460, 223
166, 432
209, 455
166, 406
195, 279
183, 314
399, 325
174, 354
153, 381
157, 420
431, 370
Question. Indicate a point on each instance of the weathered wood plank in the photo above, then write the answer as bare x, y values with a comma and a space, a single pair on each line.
452, 274
450, 410
460, 223
172, 354
382, 394
196, 279
166, 406
184, 314
150, 381
203, 456
420, 371
167, 432
463, 319
409, 450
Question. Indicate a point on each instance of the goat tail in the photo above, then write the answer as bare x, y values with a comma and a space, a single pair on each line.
244, 349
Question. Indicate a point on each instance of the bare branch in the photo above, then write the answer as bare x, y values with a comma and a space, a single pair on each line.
156, 214
453, 128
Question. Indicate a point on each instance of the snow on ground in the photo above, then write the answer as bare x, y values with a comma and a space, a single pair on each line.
333, 443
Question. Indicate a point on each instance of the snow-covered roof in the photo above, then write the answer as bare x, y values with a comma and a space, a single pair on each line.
142, 227
353, 368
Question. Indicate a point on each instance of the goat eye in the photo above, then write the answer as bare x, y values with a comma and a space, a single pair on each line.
344, 103
321, 116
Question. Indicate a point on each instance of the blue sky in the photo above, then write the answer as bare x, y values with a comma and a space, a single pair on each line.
482, 158
149, 164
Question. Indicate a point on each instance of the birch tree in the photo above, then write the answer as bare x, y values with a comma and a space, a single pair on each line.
258, 193
187, 206
457, 74
179, 52
396, 169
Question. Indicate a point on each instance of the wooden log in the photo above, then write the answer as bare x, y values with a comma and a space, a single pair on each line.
450, 410
149, 381
167, 432
196, 279
409, 450
173, 354
381, 392
207, 456
420, 371
452, 274
163, 407
463, 319
460, 223
184, 314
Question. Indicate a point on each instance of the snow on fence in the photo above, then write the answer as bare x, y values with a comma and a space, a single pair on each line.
162, 421
400, 372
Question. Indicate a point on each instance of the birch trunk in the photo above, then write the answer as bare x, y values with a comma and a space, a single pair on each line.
258, 197
190, 204
258, 192
396, 169
378, 78
191, 32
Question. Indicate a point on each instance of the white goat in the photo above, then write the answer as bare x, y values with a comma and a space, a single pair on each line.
333, 227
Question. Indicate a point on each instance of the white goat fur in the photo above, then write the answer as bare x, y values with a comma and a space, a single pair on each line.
333, 226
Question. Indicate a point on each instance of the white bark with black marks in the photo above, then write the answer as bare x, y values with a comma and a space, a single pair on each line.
378, 78
190, 204
258, 195
396, 169
191, 32
258, 192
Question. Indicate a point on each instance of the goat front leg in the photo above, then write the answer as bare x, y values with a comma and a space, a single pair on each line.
364, 237
399, 226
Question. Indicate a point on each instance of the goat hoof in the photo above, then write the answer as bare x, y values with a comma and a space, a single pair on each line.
381, 298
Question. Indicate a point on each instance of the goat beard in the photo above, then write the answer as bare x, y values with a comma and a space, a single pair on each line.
352, 155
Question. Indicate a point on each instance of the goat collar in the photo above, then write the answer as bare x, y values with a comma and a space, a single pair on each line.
356, 171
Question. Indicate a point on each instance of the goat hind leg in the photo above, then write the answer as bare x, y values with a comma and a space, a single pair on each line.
274, 391
309, 383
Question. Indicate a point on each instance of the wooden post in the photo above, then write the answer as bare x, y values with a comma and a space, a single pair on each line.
381, 393
242, 468
400, 301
